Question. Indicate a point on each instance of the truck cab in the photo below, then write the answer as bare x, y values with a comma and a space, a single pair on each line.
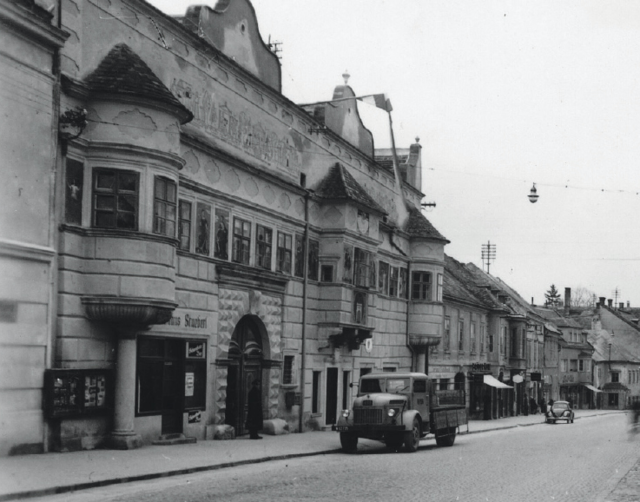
400, 409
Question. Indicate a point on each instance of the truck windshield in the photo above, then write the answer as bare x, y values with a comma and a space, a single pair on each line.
397, 385
370, 385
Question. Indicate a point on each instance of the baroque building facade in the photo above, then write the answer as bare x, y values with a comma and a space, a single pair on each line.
208, 233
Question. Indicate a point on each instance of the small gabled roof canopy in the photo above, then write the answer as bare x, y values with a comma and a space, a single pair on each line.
338, 184
123, 72
418, 226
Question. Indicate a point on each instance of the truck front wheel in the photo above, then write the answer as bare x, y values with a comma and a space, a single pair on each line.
412, 437
446, 437
349, 442
394, 442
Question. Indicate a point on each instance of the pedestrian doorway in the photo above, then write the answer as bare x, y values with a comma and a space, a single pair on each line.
245, 366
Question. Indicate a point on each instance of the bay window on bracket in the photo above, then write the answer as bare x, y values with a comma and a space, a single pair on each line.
115, 199
164, 207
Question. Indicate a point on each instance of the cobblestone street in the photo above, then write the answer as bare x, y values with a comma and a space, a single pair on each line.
583, 461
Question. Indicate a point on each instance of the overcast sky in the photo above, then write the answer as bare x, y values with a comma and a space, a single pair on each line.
502, 94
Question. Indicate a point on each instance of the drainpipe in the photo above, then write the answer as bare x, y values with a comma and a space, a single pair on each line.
413, 354
303, 348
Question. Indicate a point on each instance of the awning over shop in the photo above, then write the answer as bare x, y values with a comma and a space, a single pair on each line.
591, 387
494, 382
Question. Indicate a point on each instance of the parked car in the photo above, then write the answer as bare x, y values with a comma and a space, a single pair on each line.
560, 410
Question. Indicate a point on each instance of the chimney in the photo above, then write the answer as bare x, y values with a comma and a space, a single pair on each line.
610, 303
567, 300
621, 305
628, 305
602, 299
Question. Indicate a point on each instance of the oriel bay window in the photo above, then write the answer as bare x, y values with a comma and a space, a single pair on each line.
241, 241
264, 244
285, 249
115, 199
164, 207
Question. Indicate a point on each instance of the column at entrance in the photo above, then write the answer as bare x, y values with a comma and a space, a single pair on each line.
124, 436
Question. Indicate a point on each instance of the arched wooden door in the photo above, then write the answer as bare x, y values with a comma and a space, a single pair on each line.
245, 353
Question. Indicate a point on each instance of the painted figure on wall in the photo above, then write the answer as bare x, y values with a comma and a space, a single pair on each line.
204, 223
222, 235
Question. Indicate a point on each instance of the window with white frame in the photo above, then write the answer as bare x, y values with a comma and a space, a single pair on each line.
164, 207
421, 286
115, 199
447, 334
241, 241
264, 244
184, 225
285, 250
440, 290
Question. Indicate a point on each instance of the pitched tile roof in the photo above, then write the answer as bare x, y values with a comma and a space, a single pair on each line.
122, 71
338, 184
460, 284
418, 226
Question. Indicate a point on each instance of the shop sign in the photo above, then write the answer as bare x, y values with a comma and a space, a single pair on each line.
480, 368
568, 378
195, 350
189, 321
195, 416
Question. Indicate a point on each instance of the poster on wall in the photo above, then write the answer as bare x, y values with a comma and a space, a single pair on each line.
189, 384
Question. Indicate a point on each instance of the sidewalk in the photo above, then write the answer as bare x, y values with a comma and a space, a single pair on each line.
50, 473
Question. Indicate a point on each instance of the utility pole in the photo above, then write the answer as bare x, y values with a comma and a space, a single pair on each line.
488, 254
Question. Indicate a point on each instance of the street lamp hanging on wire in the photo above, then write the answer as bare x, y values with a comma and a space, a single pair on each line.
533, 194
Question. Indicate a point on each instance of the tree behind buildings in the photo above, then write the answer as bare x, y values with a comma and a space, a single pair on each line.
552, 297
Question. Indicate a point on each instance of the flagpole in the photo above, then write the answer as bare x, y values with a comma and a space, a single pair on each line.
402, 210
336, 100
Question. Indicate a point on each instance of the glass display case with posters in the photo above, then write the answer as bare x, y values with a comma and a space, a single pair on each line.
77, 392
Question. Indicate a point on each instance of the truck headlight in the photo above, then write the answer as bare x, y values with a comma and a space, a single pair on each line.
345, 413
392, 412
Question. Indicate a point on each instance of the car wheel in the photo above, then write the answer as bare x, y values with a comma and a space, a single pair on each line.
412, 437
349, 442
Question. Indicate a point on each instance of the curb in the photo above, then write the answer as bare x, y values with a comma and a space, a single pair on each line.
56, 490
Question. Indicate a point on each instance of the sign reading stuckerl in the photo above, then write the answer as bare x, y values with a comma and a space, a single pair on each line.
188, 322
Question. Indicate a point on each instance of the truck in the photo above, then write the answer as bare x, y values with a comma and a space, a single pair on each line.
399, 409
